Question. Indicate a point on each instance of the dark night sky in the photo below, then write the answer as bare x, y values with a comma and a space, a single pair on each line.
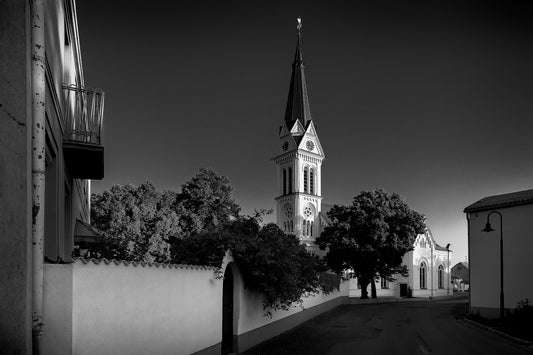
430, 99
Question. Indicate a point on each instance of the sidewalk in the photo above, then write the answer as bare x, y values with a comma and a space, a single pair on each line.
357, 300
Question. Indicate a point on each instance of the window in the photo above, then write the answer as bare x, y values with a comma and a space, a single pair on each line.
311, 229
441, 276
423, 275
384, 283
306, 171
290, 180
312, 181
284, 181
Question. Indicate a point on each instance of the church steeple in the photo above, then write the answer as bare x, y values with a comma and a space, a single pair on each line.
298, 102
299, 163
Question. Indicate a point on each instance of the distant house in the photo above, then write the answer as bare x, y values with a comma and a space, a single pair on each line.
461, 276
516, 211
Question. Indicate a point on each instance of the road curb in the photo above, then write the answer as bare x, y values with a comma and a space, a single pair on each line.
500, 333
358, 301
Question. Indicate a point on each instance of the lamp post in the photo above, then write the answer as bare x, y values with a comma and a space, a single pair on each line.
448, 285
488, 228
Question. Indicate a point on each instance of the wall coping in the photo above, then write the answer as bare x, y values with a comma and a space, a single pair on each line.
105, 261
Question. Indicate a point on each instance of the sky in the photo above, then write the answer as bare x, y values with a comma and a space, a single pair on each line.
431, 99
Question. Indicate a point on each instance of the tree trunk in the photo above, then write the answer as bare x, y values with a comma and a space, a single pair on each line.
373, 288
364, 292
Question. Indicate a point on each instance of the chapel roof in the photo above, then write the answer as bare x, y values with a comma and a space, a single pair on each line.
499, 201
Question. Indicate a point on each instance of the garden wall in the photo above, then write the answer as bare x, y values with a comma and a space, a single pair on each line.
103, 307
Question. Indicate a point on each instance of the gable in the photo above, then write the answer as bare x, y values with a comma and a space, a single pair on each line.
310, 141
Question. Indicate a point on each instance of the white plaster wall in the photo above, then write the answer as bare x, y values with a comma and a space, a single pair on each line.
392, 291
119, 309
57, 309
251, 315
484, 259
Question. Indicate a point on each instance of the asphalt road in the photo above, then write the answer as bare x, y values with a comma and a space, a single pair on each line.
414, 328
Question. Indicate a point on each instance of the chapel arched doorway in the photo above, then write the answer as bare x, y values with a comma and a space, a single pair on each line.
227, 312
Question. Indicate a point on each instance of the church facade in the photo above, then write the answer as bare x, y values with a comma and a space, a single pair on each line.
299, 207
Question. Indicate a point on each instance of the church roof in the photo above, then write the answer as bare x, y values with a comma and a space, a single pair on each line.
437, 246
499, 201
298, 102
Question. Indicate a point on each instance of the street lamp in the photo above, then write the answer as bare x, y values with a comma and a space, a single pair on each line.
488, 228
448, 286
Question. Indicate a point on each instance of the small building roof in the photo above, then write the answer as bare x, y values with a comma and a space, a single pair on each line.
499, 201
462, 263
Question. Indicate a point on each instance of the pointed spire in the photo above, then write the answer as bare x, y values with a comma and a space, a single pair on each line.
298, 102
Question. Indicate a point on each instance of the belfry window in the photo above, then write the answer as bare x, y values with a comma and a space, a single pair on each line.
312, 181
290, 180
284, 181
423, 275
306, 171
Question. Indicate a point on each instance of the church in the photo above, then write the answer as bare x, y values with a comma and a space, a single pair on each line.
299, 207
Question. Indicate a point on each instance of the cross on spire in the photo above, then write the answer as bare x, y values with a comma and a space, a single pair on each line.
298, 102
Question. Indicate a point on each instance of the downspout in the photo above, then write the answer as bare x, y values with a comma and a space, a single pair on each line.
432, 265
469, 263
38, 168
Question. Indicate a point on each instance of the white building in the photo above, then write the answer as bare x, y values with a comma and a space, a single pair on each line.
516, 210
51, 146
428, 266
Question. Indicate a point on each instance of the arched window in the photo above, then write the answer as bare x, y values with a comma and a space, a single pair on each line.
312, 181
284, 181
423, 275
290, 180
384, 283
306, 171
441, 276
311, 229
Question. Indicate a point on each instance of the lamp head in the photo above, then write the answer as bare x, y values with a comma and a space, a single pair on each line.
448, 246
488, 228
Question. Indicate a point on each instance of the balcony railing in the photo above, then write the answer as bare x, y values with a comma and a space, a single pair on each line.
83, 114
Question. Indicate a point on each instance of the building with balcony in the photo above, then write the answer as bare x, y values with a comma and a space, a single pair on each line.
51, 146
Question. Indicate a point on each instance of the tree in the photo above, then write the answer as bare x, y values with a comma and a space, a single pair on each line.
271, 262
142, 224
136, 222
204, 202
371, 236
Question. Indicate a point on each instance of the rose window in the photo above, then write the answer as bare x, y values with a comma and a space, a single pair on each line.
308, 212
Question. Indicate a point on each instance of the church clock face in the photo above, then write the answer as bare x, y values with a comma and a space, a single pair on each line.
285, 146
310, 145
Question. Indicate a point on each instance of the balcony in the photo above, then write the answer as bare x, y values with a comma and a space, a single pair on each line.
83, 149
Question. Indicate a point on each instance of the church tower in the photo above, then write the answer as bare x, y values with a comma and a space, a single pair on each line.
299, 162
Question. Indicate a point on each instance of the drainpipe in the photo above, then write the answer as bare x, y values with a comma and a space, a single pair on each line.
38, 168
432, 266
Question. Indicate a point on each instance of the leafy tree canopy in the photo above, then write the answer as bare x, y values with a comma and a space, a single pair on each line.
271, 262
141, 224
371, 236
